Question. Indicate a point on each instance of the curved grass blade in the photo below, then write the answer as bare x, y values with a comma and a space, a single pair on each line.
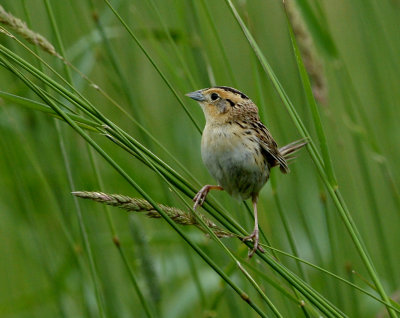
34, 105
151, 60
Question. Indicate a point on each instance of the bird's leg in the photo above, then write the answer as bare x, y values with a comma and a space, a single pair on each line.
254, 236
202, 194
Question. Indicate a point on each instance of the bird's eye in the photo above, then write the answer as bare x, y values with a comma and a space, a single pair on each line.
214, 96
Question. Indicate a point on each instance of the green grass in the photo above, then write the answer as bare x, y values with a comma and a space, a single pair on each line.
114, 118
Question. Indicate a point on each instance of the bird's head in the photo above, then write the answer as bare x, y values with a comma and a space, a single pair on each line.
222, 104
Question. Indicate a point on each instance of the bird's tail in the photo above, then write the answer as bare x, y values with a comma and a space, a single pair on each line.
289, 150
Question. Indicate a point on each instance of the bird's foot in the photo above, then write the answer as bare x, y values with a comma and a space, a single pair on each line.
200, 197
253, 237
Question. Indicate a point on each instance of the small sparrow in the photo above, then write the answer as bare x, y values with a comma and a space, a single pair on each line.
237, 149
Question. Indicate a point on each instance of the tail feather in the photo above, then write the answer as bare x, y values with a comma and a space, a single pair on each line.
290, 149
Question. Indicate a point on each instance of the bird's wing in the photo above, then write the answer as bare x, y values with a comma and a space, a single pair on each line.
270, 148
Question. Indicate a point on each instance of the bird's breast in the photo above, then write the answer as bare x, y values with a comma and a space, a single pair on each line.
234, 159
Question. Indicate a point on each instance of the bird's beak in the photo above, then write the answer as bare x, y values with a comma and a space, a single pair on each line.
197, 96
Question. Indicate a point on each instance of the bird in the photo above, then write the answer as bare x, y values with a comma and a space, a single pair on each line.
237, 149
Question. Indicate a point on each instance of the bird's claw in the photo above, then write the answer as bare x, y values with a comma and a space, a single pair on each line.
253, 237
200, 197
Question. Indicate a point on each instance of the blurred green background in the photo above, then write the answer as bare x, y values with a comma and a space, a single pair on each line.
44, 267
